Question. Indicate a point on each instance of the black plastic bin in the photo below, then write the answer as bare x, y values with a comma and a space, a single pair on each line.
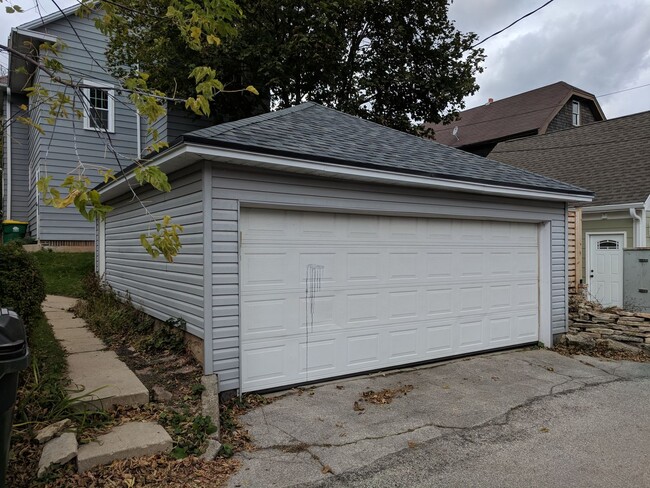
14, 357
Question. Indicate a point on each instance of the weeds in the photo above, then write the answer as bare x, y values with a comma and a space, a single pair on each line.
189, 432
116, 319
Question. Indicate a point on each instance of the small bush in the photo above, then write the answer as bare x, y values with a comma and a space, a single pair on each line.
22, 287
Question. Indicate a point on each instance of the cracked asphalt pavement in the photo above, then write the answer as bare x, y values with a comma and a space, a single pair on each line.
519, 418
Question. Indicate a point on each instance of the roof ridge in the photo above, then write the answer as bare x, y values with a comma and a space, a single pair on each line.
52, 17
356, 117
226, 127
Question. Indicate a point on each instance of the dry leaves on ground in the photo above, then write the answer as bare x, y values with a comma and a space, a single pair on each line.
153, 471
384, 396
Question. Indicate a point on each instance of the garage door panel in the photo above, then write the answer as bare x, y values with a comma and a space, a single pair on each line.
394, 291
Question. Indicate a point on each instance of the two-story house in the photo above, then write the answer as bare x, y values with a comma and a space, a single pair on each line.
110, 134
540, 111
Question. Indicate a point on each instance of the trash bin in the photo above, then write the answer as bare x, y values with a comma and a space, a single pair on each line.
14, 357
13, 230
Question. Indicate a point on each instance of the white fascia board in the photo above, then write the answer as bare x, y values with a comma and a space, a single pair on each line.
612, 208
294, 165
34, 34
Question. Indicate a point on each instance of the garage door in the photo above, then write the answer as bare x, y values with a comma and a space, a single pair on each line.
393, 291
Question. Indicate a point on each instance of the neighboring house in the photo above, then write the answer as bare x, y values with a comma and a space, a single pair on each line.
612, 158
540, 111
317, 244
29, 155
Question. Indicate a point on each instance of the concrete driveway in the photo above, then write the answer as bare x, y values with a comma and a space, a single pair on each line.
523, 418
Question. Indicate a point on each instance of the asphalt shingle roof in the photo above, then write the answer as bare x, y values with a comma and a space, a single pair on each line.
313, 132
521, 114
611, 158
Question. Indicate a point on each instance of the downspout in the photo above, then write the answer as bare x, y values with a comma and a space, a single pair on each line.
137, 126
138, 135
639, 227
8, 167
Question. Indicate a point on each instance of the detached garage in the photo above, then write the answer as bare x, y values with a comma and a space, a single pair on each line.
317, 245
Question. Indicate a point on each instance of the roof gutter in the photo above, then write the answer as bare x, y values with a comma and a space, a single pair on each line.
618, 207
295, 165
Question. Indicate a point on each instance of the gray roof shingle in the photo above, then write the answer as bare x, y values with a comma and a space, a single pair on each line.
313, 132
611, 158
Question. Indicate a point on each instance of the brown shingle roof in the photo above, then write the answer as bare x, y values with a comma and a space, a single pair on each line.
611, 158
523, 114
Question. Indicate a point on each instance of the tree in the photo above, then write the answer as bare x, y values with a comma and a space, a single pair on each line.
396, 62
200, 25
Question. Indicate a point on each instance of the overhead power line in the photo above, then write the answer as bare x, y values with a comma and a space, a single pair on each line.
510, 25
623, 90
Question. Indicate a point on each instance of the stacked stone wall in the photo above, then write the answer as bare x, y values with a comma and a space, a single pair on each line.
591, 326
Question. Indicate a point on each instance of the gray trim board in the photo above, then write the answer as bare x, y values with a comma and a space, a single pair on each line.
207, 264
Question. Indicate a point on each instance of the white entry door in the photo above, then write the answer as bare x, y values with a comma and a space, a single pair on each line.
382, 292
605, 269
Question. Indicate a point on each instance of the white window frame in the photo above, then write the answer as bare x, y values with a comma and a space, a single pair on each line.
575, 115
111, 105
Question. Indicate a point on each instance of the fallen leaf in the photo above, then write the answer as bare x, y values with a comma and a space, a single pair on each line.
550, 368
495, 378
412, 444
326, 469
544, 429
445, 387
340, 387
357, 407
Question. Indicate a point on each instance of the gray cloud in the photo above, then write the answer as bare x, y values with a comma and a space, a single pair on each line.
597, 46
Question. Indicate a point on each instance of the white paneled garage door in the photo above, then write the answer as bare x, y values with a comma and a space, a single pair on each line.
394, 291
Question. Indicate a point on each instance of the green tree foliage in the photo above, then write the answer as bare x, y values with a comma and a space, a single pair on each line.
22, 287
396, 62
200, 26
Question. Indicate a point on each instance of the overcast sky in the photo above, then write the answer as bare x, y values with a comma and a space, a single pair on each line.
600, 46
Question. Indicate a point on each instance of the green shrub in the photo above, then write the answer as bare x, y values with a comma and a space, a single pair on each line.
22, 287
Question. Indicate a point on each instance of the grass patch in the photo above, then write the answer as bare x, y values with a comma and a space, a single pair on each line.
64, 272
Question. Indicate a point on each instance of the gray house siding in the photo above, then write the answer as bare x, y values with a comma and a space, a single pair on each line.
66, 142
34, 151
233, 188
181, 121
19, 165
161, 289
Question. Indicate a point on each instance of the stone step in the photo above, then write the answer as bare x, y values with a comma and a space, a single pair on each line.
98, 377
54, 302
105, 380
124, 441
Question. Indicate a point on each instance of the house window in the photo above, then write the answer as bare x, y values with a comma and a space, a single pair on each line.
608, 244
99, 107
575, 113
